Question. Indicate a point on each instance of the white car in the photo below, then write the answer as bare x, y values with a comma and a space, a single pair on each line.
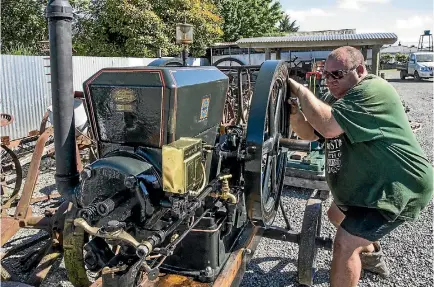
420, 66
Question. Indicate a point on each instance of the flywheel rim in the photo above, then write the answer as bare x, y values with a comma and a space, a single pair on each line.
267, 123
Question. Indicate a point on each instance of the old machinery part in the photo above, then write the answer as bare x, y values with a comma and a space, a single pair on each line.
59, 14
226, 191
172, 178
11, 174
241, 85
183, 171
5, 119
267, 124
230, 60
114, 231
310, 231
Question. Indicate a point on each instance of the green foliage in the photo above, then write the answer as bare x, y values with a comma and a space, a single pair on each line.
249, 18
138, 28
401, 57
288, 26
385, 58
203, 15
23, 25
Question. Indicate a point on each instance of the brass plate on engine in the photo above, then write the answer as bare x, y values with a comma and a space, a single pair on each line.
182, 171
123, 99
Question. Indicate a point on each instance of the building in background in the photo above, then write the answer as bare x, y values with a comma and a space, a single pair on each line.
304, 46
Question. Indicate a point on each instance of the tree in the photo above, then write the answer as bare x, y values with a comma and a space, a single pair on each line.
249, 18
138, 28
385, 58
286, 25
202, 14
23, 26
401, 57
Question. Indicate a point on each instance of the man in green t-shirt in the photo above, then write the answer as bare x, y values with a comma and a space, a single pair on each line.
375, 168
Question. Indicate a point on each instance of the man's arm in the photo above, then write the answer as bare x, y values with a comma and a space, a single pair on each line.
302, 127
317, 113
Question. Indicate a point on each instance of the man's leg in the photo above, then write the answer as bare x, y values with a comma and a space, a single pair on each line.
336, 216
346, 264
360, 228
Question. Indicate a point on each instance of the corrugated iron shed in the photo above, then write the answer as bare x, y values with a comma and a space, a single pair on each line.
314, 41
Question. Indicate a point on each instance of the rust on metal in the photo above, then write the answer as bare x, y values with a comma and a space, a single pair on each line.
78, 159
5, 119
97, 283
32, 175
9, 226
47, 197
6, 140
44, 121
237, 260
174, 280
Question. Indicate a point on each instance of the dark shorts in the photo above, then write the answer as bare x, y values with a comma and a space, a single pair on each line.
367, 223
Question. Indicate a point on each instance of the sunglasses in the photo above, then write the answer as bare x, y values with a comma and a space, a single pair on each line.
337, 75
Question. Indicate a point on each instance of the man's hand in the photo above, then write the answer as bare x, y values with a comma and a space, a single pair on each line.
294, 87
317, 113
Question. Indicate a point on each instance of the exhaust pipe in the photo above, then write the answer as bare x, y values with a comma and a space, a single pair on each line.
60, 16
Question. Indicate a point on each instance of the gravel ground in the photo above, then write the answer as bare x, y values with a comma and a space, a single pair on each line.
409, 249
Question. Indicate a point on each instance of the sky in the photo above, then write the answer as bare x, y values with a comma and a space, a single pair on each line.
406, 18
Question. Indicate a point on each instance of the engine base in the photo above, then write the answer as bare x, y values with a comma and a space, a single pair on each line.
231, 274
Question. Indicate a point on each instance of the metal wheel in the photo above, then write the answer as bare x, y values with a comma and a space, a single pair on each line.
232, 61
11, 173
311, 228
77, 260
267, 123
74, 239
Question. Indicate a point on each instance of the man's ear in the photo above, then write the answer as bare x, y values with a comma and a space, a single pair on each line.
360, 70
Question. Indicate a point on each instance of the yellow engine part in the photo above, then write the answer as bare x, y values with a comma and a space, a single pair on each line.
183, 172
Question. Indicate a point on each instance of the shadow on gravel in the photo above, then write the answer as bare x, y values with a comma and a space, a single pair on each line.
48, 189
24, 240
284, 277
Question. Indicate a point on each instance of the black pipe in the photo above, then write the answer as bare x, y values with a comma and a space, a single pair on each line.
298, 145
60, 16
184, 56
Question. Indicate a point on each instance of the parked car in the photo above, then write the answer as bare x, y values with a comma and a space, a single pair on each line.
420, 66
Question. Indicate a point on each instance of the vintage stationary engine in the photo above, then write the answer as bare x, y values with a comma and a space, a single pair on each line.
172, 189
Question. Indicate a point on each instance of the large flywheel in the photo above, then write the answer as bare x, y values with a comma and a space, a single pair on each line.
267, 123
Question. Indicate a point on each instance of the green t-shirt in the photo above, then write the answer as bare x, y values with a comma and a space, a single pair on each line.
377, 162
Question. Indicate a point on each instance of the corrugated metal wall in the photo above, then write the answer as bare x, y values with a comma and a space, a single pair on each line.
26, 91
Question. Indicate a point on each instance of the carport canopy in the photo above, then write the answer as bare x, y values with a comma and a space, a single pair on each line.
313, 42
325, 41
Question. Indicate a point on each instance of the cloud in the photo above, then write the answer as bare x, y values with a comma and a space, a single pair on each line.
358, 4
423, 22
301, 15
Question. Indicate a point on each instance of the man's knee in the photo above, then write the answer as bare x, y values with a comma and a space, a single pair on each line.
335, 215
346, 244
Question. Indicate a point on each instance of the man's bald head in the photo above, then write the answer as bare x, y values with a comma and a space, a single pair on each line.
349, 61
349, 56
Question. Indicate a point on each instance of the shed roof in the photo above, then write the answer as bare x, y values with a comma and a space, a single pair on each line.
399, 49
314, 41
